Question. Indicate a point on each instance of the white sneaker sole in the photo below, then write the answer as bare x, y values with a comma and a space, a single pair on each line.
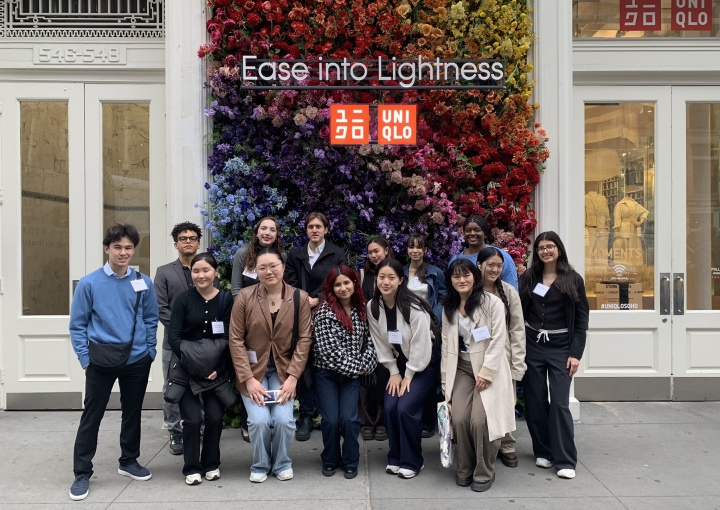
138, 478
543, 463
212, 475
193, 480
258, 478
567, 474
80, 497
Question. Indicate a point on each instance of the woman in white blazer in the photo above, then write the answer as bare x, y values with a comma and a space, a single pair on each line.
475, 374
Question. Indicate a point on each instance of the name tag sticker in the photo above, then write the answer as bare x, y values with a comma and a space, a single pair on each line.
139, 285
416, 281
250, 274
480, 334
218, 327
252, 356
541, 289
395, 337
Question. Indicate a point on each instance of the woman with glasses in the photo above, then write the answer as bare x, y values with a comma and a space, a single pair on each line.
475, 374
490, 263
261, 348
556, 321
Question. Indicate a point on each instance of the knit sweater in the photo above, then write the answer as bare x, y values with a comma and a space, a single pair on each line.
102, 312
337, 348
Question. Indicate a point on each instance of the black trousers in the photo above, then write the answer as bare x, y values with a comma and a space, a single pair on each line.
550, 423
191, 407
133, 381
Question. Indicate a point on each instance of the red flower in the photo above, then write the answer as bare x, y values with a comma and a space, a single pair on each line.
253, 19
325, 132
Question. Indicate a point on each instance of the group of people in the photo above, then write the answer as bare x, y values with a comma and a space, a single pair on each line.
371, 351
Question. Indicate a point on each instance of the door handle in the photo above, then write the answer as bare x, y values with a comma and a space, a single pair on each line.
678, 293
664, 293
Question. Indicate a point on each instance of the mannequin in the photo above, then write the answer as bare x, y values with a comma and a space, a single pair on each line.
627, 248
597, 229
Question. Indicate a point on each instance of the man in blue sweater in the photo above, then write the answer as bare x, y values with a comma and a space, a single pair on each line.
112, 307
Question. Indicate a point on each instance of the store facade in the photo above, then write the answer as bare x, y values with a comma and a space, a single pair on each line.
102, 124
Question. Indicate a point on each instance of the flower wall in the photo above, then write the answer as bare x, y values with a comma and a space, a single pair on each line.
478, 152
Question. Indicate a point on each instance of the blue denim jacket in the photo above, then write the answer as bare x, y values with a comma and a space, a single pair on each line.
436, 288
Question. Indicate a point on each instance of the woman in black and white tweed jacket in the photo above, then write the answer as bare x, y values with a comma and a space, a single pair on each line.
343, 352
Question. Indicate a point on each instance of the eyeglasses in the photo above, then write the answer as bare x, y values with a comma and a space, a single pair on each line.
184, 239
265, 269
547, 247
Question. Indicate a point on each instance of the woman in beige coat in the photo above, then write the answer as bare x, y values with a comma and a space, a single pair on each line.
490, 263
475, 374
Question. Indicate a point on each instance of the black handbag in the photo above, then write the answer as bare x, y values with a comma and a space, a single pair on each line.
305, 383
113, 357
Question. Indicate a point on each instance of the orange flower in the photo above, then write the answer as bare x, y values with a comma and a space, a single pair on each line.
426, 29
403, 9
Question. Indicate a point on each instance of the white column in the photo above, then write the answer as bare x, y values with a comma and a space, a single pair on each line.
186, 170
554, 91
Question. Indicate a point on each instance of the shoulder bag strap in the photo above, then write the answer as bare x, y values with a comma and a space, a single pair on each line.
137, 304
296, 327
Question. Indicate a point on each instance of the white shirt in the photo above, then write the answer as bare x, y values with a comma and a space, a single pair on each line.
108, 271
314, 255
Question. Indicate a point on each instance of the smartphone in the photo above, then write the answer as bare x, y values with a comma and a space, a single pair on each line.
272, 399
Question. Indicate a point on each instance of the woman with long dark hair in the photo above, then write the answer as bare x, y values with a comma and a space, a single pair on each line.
266, 234
556, 321
428, 282
371, 408
490, 263
475, 374
202, 312
342, 352
404, 335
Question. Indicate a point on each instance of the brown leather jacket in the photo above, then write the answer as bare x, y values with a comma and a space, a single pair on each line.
251, 328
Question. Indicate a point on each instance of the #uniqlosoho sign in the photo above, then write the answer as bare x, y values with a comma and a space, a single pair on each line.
378, 74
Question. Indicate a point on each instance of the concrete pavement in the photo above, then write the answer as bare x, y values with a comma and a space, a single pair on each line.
637, 456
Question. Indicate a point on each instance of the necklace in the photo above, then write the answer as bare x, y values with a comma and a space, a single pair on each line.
272, 299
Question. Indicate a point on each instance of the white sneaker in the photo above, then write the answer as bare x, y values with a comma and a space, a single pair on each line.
409, 473
392, 470
543, 463
284, 475
258, 477
566, 473
193, 479
213, 475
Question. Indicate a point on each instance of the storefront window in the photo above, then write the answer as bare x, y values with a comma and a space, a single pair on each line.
646, 18
620, 206
45, 208
703, 206
126, 167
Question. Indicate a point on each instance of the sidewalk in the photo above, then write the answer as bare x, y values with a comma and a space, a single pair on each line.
632, 456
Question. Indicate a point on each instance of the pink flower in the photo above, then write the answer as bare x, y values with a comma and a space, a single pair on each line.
325, 132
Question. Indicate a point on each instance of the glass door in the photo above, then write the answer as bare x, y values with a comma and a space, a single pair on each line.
695, 281
626, 238
43, 240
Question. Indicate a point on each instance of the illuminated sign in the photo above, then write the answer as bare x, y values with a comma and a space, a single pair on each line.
379, 74
349, 124
397, 124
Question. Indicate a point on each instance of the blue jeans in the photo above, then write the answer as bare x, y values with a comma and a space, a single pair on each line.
336, 398
272, 430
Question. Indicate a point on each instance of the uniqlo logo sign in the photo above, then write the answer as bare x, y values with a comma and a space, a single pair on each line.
691, 15
639, 15
349, 124
397, 124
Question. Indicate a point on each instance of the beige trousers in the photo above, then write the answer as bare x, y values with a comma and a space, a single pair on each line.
507, 443
476, 454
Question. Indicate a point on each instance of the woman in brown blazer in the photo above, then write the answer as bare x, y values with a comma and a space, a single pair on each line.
261, 328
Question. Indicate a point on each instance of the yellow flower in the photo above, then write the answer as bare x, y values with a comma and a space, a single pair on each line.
426, 29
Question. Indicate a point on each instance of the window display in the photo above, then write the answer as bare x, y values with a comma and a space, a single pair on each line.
619, 206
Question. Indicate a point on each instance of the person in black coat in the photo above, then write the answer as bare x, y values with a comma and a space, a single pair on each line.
556, 314
306, 269
202, 312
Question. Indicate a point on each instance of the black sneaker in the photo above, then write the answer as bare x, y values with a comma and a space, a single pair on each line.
305, 427
176, 444
428, 431
80, 488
